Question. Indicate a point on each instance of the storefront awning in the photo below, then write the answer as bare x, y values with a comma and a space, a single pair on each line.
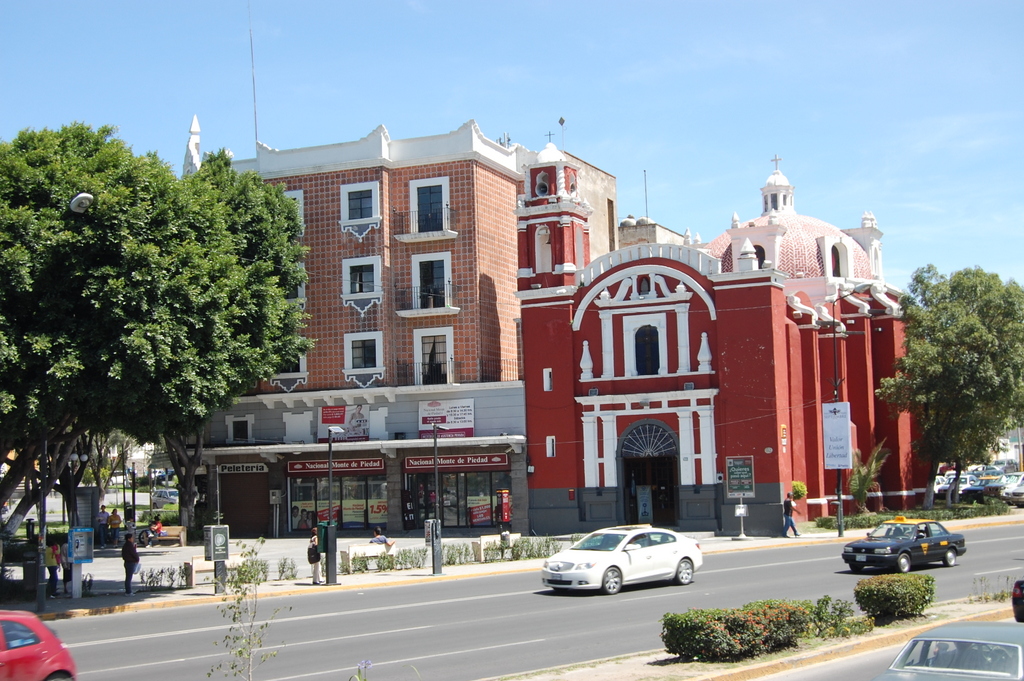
275, 452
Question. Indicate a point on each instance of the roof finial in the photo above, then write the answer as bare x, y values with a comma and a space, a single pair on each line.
776, 161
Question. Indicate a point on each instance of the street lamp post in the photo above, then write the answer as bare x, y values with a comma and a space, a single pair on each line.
438, 554
836, 382
331, 535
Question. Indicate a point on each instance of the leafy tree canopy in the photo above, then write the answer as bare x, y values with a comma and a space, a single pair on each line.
962, 377
154, 308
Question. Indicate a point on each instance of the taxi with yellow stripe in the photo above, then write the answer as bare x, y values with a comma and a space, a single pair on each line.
902, 543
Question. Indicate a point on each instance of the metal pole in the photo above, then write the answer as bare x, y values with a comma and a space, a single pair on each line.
835, 398
438, 553
331, 535
41, 538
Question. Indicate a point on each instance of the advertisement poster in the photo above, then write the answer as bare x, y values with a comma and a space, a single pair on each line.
835, 426
479, 510
739, 477
457, 416
353, 420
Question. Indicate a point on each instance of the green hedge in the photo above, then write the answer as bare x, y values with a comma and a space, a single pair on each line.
895, 595
734, 634
990, 507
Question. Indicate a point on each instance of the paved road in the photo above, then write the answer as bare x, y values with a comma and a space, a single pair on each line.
476, 628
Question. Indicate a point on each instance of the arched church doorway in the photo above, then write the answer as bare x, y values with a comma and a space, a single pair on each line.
649, 453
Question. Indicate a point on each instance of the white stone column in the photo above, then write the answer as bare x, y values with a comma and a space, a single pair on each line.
708, 463
687, 470
591, 478
683, 333
610, 441
607, 345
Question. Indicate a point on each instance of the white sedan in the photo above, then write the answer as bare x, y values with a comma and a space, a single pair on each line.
615, 556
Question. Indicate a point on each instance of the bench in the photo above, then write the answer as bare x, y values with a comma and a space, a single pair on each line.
488, 540
360, 550
176, 535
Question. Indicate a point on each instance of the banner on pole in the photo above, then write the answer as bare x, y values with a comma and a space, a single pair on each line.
835, 428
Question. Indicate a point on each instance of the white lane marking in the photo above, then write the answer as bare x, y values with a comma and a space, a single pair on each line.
788, 563
994, 572
267, 648
343, 670
301, 618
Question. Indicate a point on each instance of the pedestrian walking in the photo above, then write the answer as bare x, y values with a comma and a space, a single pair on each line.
787, 516
101, 520
313, 556
130, 556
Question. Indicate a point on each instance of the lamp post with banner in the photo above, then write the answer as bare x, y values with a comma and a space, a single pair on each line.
836, 416
331, 533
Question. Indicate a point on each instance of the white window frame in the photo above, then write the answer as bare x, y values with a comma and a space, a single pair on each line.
446, 256
414, 204
549, 384
292, 374
549, 446
346, 277
630, 324
360, 226
230, 420
417, 344
351, 338
296, 195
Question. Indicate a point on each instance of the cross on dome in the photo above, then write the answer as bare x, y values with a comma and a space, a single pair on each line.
775, 161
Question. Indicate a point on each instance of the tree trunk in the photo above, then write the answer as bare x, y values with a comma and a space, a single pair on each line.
929, 490
185, 467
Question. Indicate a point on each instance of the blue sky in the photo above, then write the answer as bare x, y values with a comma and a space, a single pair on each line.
912, 110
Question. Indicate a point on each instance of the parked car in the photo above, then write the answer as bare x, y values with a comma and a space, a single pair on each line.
901, 543
967, 650
1007, 465
608, 559
1003, 482
966, 480
163, 497
30, 651
1014, 496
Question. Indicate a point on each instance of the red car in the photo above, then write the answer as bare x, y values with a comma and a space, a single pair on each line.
30, 651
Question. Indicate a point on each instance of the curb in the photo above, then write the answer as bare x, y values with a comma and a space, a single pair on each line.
207, 600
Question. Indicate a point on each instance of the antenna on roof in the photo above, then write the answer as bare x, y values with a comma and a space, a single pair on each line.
252, 62
647, 211
561, 122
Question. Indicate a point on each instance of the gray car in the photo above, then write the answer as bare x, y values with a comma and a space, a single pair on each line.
968, 650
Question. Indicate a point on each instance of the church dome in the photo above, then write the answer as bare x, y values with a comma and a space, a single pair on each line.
777, 179
628, 221
799, 253
550, 154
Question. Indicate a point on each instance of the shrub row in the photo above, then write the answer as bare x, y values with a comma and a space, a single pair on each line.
895, 595
719, 635
990, 507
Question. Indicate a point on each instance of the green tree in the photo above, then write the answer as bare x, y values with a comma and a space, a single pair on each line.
154, 307
962, 377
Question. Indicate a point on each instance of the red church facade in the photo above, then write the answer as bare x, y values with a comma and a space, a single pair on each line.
648, 367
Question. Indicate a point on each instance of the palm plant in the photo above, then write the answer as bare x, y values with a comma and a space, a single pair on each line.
864, 476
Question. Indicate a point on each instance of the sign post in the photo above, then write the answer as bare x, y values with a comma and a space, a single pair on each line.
739, 484
835, 427
216, 541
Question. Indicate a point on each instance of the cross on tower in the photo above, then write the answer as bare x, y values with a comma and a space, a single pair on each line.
550, 135
776, 161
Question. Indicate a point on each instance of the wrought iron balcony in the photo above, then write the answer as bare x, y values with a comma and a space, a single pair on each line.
450, 371
418, 225
427, 300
